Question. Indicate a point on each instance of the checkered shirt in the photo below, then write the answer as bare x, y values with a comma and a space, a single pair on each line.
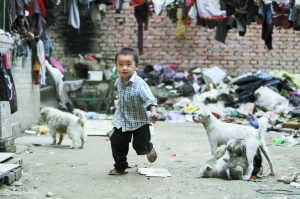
134, 100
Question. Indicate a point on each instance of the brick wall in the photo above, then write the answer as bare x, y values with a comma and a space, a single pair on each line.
28, 94
197, 48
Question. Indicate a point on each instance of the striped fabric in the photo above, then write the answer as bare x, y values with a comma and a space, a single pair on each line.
134, 100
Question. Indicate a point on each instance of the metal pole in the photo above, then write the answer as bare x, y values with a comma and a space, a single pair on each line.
4, 13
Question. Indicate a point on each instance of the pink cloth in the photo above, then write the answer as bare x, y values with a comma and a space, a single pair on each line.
294, 93
5, 60
56, 64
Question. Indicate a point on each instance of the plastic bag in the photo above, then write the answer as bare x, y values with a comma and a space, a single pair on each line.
270, 100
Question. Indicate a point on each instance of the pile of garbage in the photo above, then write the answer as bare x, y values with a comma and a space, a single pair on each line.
232, 98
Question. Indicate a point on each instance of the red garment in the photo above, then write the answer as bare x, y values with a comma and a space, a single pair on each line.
135, 3
40, 3
5, 60
280, 15
189, 3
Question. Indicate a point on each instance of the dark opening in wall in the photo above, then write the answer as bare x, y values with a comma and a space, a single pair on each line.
80, 41
81, 71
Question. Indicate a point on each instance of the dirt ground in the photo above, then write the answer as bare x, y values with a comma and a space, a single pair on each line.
83, 173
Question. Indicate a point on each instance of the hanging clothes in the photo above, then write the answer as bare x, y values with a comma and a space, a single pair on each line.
158, 5
56, 76
36, 20
11, 13
47, 44
41, 59
97, 13
295, 15
172, 9
106, 2
68, 89
15, 9
265, 13
233, 5
119, 4
210, 10
181, 24
252, 12
50, 12
210, 24
33, 5
141, 14
74, 18
7, 85
186, 7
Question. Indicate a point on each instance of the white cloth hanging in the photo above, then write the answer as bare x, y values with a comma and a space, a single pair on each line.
193, 12
74, 18
210, 9
158, 4
57, 78
41, 59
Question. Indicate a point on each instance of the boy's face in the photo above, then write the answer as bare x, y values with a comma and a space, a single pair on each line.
126, 66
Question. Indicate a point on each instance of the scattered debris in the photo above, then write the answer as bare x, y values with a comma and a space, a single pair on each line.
288, 179
49, 194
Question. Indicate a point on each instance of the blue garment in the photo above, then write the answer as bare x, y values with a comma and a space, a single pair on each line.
47, 44
135, 98
265, 13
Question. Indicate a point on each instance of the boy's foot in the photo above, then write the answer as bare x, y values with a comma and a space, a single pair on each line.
117, 172
152, 156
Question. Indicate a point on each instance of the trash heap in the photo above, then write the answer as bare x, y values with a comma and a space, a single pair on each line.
232, 98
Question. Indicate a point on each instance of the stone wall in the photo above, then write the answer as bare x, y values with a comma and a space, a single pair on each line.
28, 94
197, 48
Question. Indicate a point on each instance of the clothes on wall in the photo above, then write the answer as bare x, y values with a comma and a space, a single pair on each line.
74, 18
28, 18
47, 44
7, 85
141, 13
220, 14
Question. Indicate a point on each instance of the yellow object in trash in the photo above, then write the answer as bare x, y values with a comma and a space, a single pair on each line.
40, 129
190, 109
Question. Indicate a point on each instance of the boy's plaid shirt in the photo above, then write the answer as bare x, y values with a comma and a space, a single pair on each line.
134, 99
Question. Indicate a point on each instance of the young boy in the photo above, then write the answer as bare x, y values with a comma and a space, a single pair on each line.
131, 119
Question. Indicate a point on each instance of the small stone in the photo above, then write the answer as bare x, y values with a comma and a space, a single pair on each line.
18, 183
49, 194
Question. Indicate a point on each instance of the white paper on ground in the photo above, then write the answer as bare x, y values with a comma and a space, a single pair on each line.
154, 172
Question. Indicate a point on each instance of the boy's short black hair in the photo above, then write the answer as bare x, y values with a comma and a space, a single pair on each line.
128, 51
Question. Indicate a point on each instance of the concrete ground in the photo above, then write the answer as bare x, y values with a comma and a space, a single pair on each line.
83, 173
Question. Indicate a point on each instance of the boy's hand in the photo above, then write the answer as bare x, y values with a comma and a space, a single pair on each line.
153, 117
